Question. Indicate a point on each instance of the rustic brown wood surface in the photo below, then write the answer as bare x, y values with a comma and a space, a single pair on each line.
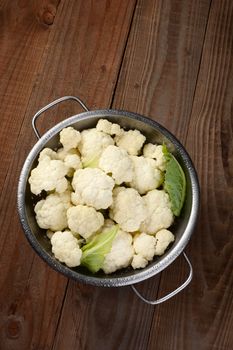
169, 60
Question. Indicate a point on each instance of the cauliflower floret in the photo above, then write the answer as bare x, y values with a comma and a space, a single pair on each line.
117, 190
116, 161
73, 162
155, 152
47, 152
144, 245
128, 209
62, 153
84, 220
49, 175
92, 187
163, 239
138, 262
69, 138
159, 214
93, 143
66, 196
121, 253
76, 198
108, 223
131, 141
145, 176
108, 127
51, 212
66, 249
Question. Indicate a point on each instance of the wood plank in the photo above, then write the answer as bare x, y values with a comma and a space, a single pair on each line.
157, 78
164, 54
23, 41
201, 317
31, 293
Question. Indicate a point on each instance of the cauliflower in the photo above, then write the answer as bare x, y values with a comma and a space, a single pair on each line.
62, 153
108, 223
163, 239
65, 248
73, 162
92, 187
159, 214
108, 127
66, 196
70, 138
117, 190
51, 212
138, 262
133, 226
84, 220
131, 141
120, 254
128, 209
116, 161
145, 177
93, 143
155, 152
144, 245
47, 152
49, 175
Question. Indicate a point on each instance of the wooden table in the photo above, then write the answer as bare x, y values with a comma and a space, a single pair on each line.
169, 60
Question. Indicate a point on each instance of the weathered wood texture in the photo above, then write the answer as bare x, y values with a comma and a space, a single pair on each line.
201, 318
79, 54
170, 60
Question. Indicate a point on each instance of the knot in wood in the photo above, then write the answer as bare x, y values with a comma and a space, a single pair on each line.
48, 17
13, 328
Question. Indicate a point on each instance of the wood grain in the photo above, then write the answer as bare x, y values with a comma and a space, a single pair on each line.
163, 53
115, 318
31, 293
201, 317
23, 41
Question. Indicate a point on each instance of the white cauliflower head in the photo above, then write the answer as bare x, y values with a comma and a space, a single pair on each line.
145, 175
73, 162
69, 138
159, 214
131, 141
65, 248
138, 262
121, 253
51, 211
144, 245
62, 153
93, 143
108, 127
47, 152
156, 152
92, 187
116, 161
163, 239
128, 209
84, 220
49, 175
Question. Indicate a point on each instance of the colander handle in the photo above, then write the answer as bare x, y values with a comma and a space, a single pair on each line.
48, 106
174, 292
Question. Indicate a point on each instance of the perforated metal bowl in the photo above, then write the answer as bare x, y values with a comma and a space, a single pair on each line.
154, 133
